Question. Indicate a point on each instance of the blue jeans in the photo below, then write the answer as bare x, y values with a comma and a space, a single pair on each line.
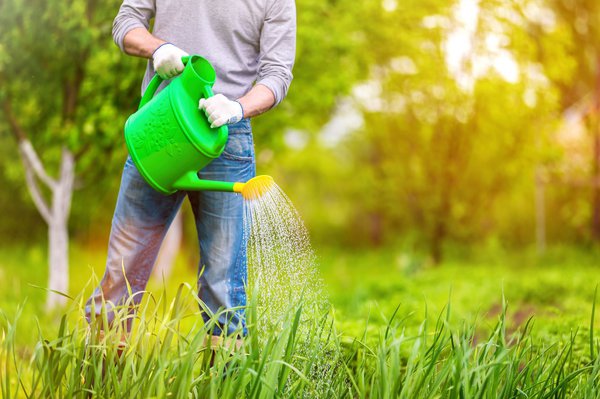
142, 217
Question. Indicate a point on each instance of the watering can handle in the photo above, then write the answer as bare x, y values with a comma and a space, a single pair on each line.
154, 83
207, 92
222, 131
150, 90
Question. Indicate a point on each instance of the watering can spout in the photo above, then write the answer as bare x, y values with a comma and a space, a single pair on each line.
256, 187
252, 189
191, 182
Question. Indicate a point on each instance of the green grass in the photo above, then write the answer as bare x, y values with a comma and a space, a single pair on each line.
165, 356
556, 289
162, 359
510, 325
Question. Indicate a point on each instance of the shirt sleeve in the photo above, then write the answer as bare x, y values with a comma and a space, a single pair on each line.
132, 14
278, 48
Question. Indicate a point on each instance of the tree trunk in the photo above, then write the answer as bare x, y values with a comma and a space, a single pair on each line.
169, 249
540, 211
58, 233
56, 212
595, 128
595, 185
58, 265
437, 240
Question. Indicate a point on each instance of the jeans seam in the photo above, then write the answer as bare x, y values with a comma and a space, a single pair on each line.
231, 157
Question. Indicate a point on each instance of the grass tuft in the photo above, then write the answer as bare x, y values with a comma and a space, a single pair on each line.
166, 355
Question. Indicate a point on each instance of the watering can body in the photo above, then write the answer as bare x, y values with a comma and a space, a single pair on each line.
170, 140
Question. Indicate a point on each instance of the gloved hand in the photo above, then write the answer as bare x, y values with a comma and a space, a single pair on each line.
220, 110
167, 60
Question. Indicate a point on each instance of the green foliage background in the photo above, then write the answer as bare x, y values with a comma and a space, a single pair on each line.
434, 165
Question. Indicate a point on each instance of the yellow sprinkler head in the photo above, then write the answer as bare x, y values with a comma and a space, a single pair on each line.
255, 187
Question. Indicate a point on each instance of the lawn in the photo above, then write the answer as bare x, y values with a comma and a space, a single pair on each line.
495, 325
556, 289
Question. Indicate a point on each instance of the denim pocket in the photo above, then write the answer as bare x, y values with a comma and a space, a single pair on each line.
128, 162
240, 147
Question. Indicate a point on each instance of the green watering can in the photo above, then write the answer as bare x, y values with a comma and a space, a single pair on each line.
170, 139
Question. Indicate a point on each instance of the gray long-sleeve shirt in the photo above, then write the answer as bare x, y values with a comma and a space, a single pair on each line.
247, 42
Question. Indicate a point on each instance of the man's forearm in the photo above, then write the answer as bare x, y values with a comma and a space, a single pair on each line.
141, 43
258, 100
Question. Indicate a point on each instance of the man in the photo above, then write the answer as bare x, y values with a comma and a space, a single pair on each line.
251, 45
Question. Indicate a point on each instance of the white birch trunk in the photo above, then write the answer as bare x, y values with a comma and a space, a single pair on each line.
169, 249
58, 265
58, 233
55, 214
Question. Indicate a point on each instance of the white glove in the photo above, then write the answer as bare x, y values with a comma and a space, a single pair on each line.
220, 110
167, 60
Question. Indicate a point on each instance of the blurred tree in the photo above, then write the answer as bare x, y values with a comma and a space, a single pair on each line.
62, 97
457, 132
581, 20
457, 113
